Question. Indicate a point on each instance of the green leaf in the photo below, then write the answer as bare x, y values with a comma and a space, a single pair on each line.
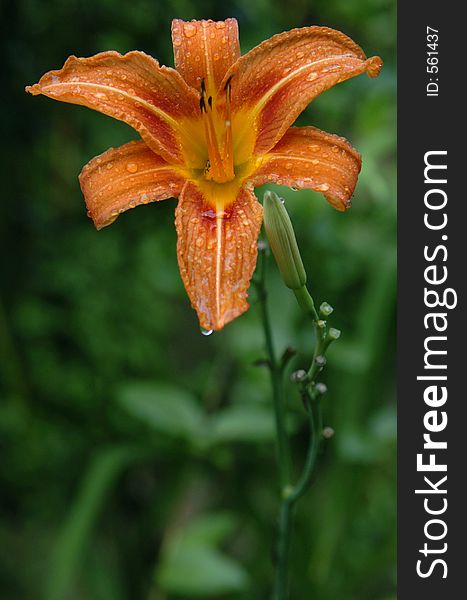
98, 481
192, 566
166, 408
243, 423
192, 570
211, 529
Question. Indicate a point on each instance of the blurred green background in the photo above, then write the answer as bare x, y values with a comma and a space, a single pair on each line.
137, 456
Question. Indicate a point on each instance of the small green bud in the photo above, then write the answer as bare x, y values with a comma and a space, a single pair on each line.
320, 360
321, 388
334, 334
325, 309
298, 376
282, 241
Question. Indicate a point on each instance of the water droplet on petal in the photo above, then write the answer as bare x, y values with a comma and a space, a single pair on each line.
294, 189
132, 167
335, 149
220, 25
109, 165
323, 187
189, 30
206, 331
300, 54
312, 76
315, 162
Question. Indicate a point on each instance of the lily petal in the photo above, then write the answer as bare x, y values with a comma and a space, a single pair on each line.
133, 88
205, 50
307, 157
125, 177
217, 252
273, 83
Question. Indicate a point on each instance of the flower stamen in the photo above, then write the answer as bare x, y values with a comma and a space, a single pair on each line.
228, 141
219, 167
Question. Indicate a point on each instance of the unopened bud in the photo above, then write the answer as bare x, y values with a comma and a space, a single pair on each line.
321, 388
325, 309
334, 334
320, 360
298, 376
282, 241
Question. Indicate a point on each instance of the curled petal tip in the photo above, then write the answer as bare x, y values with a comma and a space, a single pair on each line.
33, 89
374, 65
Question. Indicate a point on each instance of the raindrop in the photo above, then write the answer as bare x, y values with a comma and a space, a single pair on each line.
206, 331
132, 167
189, 30
294, 189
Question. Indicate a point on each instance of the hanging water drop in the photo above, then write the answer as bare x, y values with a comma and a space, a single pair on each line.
206, 331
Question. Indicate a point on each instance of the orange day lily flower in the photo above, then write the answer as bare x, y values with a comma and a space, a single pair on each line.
212, 130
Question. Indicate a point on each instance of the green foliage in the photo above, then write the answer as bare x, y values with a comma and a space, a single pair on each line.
166, 408
137, 455
193, 552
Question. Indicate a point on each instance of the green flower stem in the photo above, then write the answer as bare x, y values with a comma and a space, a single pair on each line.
306, 302
316, 428
283, 448
290, 493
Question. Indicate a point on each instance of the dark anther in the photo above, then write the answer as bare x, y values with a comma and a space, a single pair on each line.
202, 104
227, 83
210, 102
203, 87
